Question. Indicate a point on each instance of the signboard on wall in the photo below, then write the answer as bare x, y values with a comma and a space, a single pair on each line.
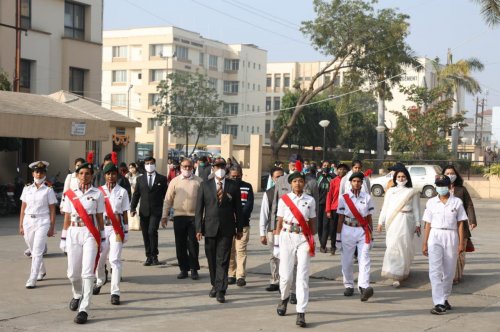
78, 128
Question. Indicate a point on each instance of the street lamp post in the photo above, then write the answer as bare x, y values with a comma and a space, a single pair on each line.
324, 124
128, 100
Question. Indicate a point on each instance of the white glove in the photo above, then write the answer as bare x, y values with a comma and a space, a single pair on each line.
62, 244
276, 248
103, 236
125, 233
338, 243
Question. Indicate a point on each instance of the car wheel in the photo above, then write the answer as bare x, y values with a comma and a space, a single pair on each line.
429, 191
377, 190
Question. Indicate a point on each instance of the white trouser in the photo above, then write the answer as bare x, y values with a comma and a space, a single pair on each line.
293, 246
35, 236
353, 237
82, 250
112, 248
443, 254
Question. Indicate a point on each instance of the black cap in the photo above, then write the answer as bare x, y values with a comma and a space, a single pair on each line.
110, 167
442, 181
397, 167
295, 175
85, 165
357, 175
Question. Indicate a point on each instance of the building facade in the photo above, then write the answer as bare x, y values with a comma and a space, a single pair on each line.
136, 60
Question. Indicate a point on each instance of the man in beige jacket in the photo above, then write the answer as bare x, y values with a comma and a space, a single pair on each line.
181, 196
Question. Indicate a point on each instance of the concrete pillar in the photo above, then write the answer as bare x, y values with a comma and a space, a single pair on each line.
160, 152
254, 173
226, 145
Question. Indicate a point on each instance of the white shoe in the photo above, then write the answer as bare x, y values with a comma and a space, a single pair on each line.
41, 276
30, 284
396, 284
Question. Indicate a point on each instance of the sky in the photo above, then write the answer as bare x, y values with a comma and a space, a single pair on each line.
273, 25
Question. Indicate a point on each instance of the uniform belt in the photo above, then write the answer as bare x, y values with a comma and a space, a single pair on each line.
293, 229
77, 224
446, 229
37, 215
108, 222
353, 222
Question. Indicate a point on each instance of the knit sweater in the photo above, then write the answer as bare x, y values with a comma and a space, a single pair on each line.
181, 195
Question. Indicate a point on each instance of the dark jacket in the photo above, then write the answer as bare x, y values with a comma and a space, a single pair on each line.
462, 193
247, 199
100, 180
213, 220
151, 199
323, 187
204, 172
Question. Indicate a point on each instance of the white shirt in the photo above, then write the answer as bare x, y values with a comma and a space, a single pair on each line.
264, 215
345, 184
118, 198
92, 200
305, 204
363, 203
441, 215
217, 183
153, 176
38, 199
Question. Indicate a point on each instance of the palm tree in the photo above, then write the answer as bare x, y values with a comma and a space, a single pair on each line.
454, 77
490, 9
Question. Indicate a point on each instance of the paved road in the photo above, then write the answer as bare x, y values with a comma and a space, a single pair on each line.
153, 298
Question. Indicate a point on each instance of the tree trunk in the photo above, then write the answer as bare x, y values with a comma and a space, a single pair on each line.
187, 142
196, 142
380, 132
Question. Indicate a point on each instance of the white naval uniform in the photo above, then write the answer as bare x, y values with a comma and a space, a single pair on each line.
294, 245
120, 204
353, 237
81, 245
442, 244
36, 223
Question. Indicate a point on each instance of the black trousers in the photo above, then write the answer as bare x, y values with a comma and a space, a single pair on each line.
149, 226
187, 247
321, 218
218, 252
329, 229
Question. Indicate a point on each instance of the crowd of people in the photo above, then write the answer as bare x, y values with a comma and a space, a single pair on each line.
303, 205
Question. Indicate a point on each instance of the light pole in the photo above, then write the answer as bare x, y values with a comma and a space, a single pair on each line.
324, 124
128, 100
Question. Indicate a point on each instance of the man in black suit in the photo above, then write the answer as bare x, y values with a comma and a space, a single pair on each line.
150, 189
219, 218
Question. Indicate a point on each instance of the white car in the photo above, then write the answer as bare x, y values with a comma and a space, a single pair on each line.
422, 178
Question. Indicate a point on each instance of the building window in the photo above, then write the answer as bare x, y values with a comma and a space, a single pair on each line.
26, 14
268, 103
119, 76
231, 64
230, 129
277, 80
259, 66
268, 128
157, 50
151, 124
119, 100
25, 74
212, 83
286, 80
119, 51
202, 59
231, 87
181, 52
156, 75
154, 99
269, 81
212, 62
76, 80
276, 103
230, 109
74, 20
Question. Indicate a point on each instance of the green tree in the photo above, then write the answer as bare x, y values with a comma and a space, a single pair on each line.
190, 106
490, 9
7, 143
420, 129
4, 81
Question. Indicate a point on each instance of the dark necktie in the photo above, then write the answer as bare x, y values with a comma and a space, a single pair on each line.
220, 192
150, 181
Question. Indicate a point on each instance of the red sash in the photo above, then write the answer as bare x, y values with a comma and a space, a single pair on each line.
87, 220
302, 221
111, 215
362, 221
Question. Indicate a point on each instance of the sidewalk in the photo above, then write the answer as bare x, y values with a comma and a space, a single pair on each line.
153, 299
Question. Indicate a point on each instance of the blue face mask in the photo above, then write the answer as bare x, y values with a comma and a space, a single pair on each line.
442, 191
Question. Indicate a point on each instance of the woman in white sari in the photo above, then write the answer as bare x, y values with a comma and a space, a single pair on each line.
401, 216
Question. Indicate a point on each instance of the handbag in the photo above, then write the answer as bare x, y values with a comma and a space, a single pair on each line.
470, 246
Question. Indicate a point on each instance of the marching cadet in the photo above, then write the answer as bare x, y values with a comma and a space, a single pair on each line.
117, 205
354, 230
443, 215
296, 226
81, 238
37, 219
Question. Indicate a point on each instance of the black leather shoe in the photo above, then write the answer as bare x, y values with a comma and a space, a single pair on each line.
281, 309
366, 293
220, 297
332, 251
293, 298
182, 275
96, 290
81, 318
349, 291
213, 292
241, 282
115, 299
273, 288
322, 250
155, 261
231, 280
74, 304
438, 310
301, 319
447, 305
194, 275
148, 262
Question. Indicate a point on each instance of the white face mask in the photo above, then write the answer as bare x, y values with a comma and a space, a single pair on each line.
220, 173
150, 168
186, 173
452, 177
401, 183
39, 181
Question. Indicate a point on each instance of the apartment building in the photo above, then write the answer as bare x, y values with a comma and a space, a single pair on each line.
136, 60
